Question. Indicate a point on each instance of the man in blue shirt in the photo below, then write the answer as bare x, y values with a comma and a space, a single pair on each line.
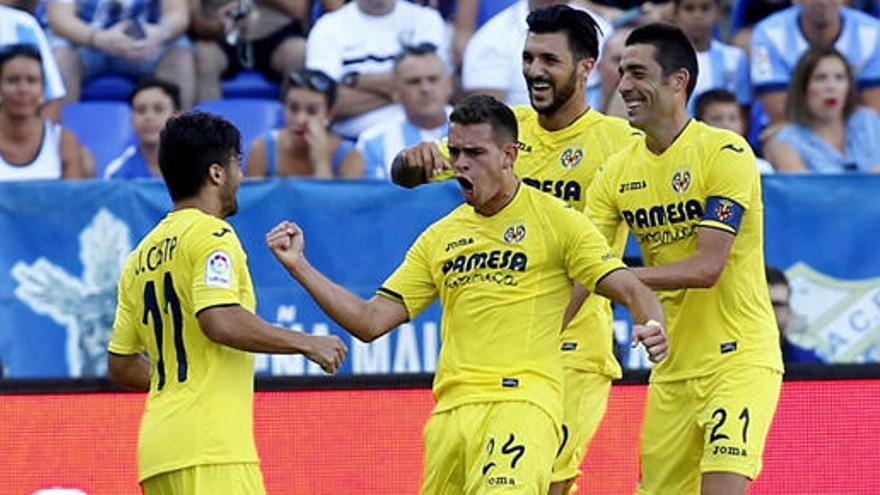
780, 40
422, 87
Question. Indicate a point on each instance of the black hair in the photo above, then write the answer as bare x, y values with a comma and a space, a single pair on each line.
672, 49
27, 50
775, 276
189, 144
170, 89
314, 80
710, 98
417, 50
481, 109
579, 27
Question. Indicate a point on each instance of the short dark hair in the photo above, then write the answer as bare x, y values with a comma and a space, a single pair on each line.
417, 50
712, 97
27, 50
314, 80
796, 108
482, 109
579, 27
169, 88
672, 49
189, 144
775, 276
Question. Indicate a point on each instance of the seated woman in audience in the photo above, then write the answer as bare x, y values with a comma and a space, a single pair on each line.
31, 147
827, 132
152, 103
305, 147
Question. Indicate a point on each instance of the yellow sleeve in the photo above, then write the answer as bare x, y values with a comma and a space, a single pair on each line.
601, 207
412, 283
125, 339
588, 257
218, 265
731, 178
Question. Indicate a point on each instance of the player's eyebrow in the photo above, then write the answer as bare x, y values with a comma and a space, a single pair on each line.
463, 148
632, 67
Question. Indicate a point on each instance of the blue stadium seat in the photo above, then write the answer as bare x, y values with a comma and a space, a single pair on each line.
488, 9
114, 87
252, 116
102, 126
250, 84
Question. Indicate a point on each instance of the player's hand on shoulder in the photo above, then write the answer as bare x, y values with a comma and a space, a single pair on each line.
286, 241
327, 351
653, 337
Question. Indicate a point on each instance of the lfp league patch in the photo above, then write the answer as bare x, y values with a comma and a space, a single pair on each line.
218, 271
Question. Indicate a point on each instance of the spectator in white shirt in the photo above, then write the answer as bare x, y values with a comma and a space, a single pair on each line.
356, 46
423, 88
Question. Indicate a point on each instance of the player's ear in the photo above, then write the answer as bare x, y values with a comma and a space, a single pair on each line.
682, 76
586, 65
216, 173
510, 153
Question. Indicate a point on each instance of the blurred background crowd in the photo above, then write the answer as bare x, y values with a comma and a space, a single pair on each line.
328, 88
335, 89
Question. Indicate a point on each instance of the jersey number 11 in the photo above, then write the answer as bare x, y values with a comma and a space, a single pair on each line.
152, 308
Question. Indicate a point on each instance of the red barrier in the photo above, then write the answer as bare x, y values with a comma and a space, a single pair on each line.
823, 441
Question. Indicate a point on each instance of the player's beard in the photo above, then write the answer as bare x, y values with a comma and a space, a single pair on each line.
230, 200
561, 95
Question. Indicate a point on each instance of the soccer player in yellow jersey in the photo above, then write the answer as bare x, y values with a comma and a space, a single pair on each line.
691, 195
502, 267
562, 143
186, 299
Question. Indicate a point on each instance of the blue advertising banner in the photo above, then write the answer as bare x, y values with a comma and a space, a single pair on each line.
63, 245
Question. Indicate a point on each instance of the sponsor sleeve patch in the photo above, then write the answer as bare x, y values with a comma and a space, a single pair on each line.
218, 270
725, 211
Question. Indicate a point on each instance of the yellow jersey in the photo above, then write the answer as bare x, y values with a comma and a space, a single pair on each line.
564, 163
200, 405
707, 178
503, 282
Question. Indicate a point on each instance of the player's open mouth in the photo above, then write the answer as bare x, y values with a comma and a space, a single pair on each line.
830, 102
539, 86
465, 183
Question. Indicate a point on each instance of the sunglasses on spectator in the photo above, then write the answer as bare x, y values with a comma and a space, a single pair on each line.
316, 81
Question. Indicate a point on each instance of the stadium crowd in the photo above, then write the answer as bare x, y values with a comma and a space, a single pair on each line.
362, 80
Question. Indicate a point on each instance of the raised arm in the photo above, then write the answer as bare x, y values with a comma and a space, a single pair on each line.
415, 165
366, 320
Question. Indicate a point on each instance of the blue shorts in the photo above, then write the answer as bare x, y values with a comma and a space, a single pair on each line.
95, 62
